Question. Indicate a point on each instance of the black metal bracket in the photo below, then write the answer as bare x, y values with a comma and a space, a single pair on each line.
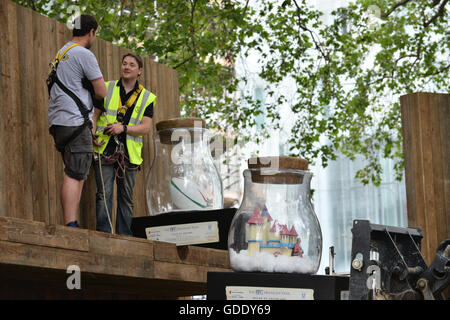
386, 262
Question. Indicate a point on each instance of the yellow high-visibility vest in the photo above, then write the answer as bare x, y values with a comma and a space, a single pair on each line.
112, 103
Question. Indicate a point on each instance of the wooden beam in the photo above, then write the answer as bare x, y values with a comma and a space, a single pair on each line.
3, 228
35, 255
57, 236
193, 273
191, 255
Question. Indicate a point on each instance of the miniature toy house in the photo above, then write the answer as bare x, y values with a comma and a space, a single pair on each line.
274, 238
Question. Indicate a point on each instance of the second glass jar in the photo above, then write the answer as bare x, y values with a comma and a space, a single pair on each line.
275, 229
183, 175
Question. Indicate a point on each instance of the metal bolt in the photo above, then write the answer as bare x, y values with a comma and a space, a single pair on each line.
357, 264
422, 283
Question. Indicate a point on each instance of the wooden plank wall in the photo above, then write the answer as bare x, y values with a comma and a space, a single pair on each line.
426, 142
31, 171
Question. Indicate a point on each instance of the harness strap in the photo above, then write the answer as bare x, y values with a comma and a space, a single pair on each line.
123, 108
59, 57
82, 108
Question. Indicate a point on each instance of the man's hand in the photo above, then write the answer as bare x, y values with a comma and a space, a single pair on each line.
113, 129
94, 138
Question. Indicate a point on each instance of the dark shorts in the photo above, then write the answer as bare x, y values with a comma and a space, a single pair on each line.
76, 153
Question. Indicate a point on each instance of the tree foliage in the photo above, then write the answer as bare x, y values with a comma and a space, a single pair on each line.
348, 74
351, 72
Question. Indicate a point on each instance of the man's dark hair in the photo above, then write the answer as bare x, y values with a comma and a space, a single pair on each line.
136, 56
85, 24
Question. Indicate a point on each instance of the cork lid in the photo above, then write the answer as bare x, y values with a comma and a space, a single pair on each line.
261, 169
163, 129
180, 123
281, 162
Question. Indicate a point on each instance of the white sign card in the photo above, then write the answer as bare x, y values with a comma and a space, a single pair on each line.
268, 293
185, 234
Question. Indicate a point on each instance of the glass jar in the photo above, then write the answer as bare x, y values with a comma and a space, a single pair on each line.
183, 175
275, 229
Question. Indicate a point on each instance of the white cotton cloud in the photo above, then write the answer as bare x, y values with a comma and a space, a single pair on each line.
267, 262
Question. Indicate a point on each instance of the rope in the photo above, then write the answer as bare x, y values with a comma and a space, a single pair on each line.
118, 157
104, 193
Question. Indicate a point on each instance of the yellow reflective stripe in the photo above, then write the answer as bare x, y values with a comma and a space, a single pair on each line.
136, 120
101, 128
112, 113
143, 103
109, 93
135, 139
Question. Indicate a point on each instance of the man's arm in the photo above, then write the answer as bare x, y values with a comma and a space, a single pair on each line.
95, 117
92, 74
142, 128
137, 130
99, 88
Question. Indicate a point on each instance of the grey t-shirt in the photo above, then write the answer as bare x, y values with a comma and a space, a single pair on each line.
77, 63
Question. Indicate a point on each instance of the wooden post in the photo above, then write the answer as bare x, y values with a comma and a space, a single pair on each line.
426, 143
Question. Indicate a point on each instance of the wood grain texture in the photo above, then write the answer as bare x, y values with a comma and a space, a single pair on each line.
34, 255
191, 255
31, 170
426, 136
37, 233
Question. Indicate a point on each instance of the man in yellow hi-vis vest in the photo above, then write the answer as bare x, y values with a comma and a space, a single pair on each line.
118, 132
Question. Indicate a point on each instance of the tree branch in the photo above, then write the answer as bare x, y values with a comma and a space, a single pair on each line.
245, 8
435, 73
192, 29
435, 3
32, 4
395, 6
439, 13
438, 72
183, 62
304, 28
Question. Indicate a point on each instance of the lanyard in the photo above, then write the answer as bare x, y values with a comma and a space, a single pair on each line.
123, 108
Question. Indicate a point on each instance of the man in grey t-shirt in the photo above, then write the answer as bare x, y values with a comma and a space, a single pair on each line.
77, 63
72, 135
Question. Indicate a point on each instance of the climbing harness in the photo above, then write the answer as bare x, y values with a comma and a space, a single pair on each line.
52, 79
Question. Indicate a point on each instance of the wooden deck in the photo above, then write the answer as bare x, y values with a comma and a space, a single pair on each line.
34, 258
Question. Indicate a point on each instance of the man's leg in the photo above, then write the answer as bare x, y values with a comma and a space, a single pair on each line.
70, 197
125, 206
76, 152
106, 180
